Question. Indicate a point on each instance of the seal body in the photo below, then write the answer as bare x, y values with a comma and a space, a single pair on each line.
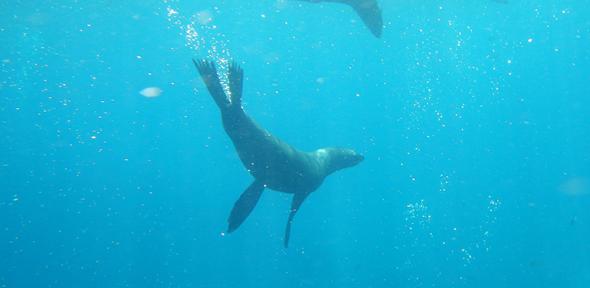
270, 160
273, 163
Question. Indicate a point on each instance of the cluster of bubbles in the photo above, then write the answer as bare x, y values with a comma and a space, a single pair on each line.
201, 35
493, 206
199, 31
443, 183
417, 214
418, 218
21, 66
481, 244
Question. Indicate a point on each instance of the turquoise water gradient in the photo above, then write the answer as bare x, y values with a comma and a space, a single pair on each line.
473, 117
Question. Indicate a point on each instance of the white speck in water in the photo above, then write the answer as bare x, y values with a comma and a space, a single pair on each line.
204, 17
171, 12
151, 92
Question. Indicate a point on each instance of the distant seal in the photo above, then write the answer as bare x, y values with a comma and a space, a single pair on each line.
368, 10
273, 163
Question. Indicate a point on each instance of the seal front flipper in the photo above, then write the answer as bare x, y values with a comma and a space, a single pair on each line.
211, 79
370, 13
244, 205
297, 200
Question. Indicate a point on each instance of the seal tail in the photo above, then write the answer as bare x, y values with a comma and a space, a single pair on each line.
211, 80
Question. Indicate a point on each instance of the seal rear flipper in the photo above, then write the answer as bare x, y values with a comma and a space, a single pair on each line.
236, 80
297, 200
370, 13
244, 205
211, 80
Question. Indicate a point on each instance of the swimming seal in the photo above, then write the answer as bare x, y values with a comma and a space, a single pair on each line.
274, 164
368, 10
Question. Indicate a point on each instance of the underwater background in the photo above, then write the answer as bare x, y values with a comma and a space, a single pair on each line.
473, 117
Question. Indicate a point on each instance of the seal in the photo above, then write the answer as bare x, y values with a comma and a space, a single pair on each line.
368, 10
274, 164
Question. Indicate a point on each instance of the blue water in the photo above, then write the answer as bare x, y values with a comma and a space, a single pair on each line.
472, 116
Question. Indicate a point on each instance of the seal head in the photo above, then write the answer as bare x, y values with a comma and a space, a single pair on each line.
335, 159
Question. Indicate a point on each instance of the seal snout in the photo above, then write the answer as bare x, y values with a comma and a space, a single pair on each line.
355, 159
344, 158
359, 158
